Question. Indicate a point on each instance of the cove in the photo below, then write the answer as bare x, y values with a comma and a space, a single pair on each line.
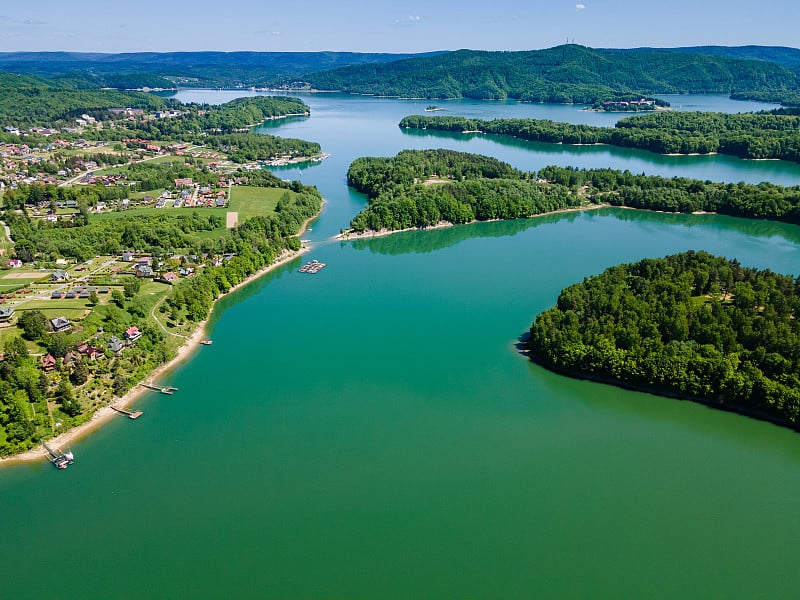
371, 431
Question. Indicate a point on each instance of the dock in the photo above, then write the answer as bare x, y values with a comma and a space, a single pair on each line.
132, 414
61, 460
313, 267
158, 388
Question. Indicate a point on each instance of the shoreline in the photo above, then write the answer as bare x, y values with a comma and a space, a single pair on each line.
348, 235
186, 350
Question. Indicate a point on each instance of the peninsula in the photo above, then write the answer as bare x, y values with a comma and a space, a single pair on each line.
424, 188
117, 246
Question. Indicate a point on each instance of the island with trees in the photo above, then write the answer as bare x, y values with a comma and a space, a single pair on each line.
691, 326
767, 135
422, 188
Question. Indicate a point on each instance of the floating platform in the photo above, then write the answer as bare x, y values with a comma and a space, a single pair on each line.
312, 267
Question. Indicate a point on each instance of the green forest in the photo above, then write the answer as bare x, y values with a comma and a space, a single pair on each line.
747, 135
690, 325
564, 74
420, 188
27, 101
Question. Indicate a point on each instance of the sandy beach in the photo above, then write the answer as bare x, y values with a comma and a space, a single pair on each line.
192, 343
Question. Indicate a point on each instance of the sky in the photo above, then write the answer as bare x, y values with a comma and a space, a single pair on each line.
395, 26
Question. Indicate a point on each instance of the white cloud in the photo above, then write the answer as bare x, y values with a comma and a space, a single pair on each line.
414, 19
580, 6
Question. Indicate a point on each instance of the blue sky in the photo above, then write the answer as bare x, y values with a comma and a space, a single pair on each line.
391, 25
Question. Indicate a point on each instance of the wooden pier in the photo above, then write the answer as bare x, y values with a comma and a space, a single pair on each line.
163, 389
132, 414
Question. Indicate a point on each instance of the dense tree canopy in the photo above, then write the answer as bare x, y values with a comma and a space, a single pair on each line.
567, 73
422, 188
691, 325
747, 135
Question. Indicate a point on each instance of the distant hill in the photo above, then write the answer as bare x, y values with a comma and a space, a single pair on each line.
568, 73
165, 69
781, 55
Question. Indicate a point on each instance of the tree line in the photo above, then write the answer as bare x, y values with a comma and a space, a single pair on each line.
748, 135
420, 188
691, 325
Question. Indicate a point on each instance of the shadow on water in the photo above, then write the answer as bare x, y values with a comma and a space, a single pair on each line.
426, 241
747, 433
251, 289
431, 240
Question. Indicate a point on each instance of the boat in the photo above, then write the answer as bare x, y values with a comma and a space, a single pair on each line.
206, 342
61, 460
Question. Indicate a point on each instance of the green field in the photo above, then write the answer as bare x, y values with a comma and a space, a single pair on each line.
255, 201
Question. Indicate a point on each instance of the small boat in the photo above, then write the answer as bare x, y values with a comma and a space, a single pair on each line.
61, 460
206, 342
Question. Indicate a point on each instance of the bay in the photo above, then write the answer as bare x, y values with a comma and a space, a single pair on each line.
371, 431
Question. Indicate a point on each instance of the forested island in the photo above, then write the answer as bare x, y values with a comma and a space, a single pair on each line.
691, 325
563, 74
420, 188
774, 134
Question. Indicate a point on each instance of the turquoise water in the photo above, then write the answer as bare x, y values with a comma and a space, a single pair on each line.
371, 431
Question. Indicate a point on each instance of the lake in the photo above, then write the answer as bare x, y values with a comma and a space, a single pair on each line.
372, 431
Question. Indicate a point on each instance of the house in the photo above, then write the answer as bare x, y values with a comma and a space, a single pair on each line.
57, 295
169, 277
185, 271
90, 352
143, 271
132, 334
70, 295
13, 263
115, 344
70, 358
102, 290
60, 324
59, 275
127, 256
6, 312
48, 363
183, 182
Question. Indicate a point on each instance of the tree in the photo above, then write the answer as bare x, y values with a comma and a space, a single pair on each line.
66, 397
94, 299
15, 350
132, 287
120, 385
79, 374
58, 345
118, 298
33, 324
